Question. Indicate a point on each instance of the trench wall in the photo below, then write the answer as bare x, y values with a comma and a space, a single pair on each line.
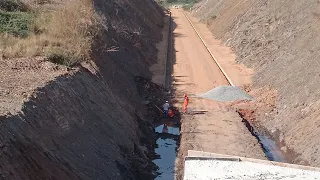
90, 123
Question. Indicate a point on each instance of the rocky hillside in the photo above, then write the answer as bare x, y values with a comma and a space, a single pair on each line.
279, 39
86, 121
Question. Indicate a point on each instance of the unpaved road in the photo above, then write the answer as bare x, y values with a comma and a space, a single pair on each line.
209, 126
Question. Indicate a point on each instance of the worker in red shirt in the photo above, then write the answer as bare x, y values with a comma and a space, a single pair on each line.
185, 103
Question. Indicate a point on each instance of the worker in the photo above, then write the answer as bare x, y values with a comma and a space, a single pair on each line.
185, 103
170, 113
166, 107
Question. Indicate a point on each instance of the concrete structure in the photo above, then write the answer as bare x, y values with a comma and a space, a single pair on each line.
206, 166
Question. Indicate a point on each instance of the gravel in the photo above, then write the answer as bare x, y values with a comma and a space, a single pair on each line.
226, 93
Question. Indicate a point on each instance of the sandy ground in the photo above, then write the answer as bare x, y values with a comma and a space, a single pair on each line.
208, 126
239, 74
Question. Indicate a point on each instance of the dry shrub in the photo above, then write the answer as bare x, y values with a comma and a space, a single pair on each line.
13, 46
71, 30
65, 35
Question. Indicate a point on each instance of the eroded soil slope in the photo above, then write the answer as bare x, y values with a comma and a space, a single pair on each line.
279, 39
85, 122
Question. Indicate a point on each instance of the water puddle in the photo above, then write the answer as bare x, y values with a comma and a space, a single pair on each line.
169, 129
167, 142
270, 147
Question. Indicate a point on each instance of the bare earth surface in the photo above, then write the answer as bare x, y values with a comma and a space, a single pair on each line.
208, 126
239, 74
21, 77
89, 122
279, 39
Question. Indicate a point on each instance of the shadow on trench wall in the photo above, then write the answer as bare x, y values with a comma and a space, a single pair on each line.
168, 129
72, 129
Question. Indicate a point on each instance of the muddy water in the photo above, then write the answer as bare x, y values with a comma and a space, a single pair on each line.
270, 147
167, 142
168, 133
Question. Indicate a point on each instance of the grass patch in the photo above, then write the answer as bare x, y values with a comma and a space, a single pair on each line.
65, 35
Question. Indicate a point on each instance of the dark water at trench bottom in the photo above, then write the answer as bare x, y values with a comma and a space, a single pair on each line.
168, 136
269, 147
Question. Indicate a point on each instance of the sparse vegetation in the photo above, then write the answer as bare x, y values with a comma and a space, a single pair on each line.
64, 35
15, 23
13, 5
186, 4
70, 32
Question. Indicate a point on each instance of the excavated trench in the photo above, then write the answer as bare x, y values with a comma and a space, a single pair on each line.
168, 135
269, 146
168, 140
167, 131
84, 122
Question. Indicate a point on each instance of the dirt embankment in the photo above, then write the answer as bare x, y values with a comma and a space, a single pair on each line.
85, 122
279, 39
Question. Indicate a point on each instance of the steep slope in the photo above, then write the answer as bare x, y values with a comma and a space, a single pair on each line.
279, 40
85, 122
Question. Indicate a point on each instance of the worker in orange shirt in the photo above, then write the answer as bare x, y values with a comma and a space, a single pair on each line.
185, 103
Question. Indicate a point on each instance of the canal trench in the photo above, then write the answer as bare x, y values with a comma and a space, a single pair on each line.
269, 146
168, 137
168, 130
167, 144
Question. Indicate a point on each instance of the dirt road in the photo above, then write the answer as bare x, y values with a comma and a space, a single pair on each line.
208, 126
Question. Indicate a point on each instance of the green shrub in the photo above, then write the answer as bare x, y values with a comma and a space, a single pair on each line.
16, 23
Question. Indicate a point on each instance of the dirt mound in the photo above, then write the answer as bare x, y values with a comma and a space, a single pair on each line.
279, 40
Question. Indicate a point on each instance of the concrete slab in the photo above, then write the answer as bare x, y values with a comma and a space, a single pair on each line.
192, 153
202, 165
